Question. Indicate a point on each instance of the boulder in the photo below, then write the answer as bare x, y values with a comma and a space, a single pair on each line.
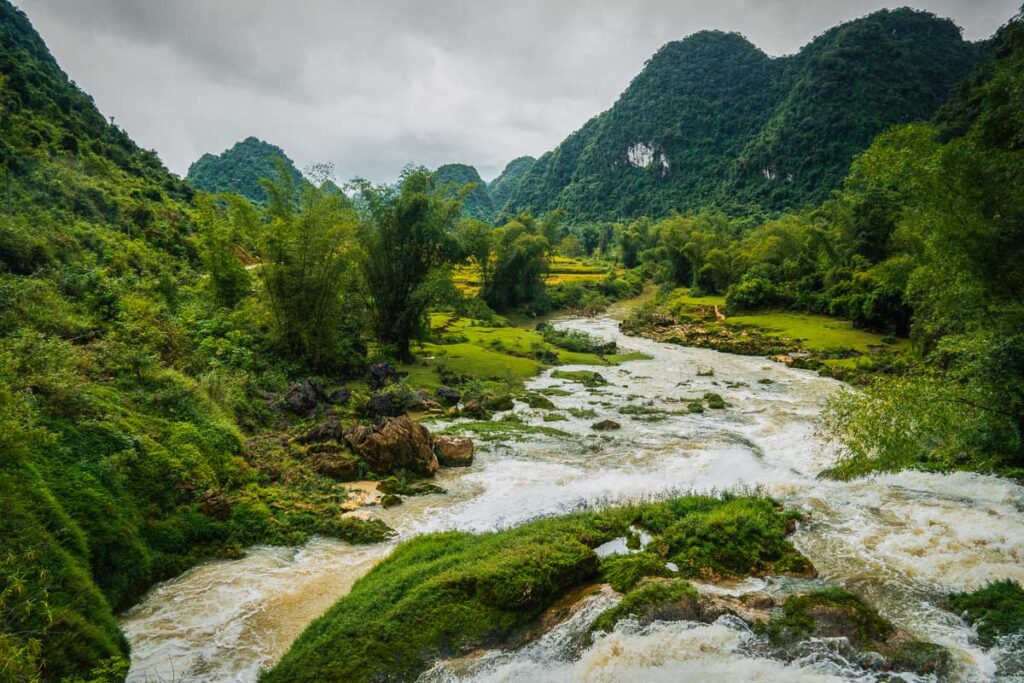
392, 444
498, 402
475, 410
335, 463
215, 505
339, 396
453, 451
303, 397
447, 396
381, 374
606, 425
423, 402
384, 405
328, 430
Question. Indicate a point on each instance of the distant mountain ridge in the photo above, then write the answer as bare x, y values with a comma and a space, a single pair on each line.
478, 203
713, 120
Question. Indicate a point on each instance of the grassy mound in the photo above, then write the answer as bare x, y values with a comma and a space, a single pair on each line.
444, 594
995, 610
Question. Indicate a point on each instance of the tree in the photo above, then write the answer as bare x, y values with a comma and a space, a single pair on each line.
229, 280
304, 242
407, 238
520, 249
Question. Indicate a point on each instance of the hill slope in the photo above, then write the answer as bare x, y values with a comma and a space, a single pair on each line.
711, 119
502, 187
239, 169
477, 204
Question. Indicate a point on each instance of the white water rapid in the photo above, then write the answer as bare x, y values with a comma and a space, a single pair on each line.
902, 541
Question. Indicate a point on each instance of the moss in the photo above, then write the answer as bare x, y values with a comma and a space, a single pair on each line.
390, 500
920, 657
622, 572
828, 612
587, 378
695, 407
715, 401
395, 486
649, 596
535, 400
709, 537
446, 594
995, 610
508, 428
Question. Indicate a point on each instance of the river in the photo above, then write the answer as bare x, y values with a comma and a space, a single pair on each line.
901, 541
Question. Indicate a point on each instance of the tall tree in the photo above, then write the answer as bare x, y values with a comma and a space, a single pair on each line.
407, 238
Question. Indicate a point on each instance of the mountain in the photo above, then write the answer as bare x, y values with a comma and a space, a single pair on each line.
712, 119
240, 169
502, 187
477, 204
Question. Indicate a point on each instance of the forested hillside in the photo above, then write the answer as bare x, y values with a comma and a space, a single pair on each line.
713, 121
477, 202
239, 170
502, 187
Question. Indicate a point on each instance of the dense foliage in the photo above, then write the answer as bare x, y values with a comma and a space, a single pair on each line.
712, 120
460, 180
240, 169
502, 187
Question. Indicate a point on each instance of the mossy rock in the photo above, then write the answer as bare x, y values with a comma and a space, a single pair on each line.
695, 407
655, 600
497, 402
995, 610
587, 378
715, 401
539, 401
828, 613
606, 426
393, 486
926, 659
390, 500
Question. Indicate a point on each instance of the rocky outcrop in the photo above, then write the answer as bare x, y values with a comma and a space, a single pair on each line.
334, 463
384, 405
381, 374
302, 398
216, 505
394, 443
328, 430
453, 451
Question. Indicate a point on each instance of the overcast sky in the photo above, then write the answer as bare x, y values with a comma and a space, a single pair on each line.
375, 84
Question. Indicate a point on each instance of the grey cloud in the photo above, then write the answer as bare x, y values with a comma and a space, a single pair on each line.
373, 85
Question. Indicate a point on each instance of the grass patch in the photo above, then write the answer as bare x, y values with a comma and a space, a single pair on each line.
622, 572
995, 610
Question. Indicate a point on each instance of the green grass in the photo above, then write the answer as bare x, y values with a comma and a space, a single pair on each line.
447, 594
499, 353
995, 610
817, 332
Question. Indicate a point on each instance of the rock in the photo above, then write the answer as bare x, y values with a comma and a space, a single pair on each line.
381, 374
502, 402
339, 396
384, 405
215, 505
335, 463
606, 425
539, 401
390, 500
759, 601
394, 443
423, 402
448, 397
394, 486
303, 397
475, 410
452, 412
453, 451
328, 430
926, 659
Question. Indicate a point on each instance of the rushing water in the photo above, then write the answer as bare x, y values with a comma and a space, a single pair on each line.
900, 540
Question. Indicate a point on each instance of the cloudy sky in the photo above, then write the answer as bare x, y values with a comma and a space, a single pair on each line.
372, 85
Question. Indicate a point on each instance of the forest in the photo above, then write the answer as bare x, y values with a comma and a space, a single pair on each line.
154, 330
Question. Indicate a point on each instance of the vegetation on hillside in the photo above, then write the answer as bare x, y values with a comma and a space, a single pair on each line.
240, 169
463, 182
502, 187
713, 121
